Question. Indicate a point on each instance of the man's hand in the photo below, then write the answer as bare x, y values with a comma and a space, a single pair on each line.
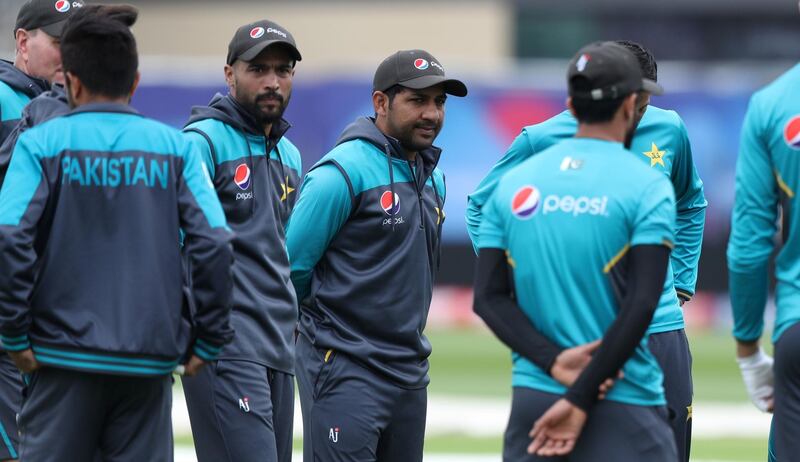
193, 366
557, 431
571, 362
759, 379
24, 360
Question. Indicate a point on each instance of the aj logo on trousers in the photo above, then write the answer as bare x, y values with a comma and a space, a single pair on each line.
244, 404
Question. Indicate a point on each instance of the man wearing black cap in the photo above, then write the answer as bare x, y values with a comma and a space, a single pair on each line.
99, 346
242, 407
574, 244
37, 61
660, 140
364, 245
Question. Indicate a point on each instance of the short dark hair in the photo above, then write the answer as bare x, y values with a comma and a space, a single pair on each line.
98, 47
646, 60
589, 111
393, 91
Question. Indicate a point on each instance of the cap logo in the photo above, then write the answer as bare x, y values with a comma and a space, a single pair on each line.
257, 32
276, 31
62, 6
582, 62
421, 64
437, 66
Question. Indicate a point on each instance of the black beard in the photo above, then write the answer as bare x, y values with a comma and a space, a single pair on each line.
407, 139
629, 138
264, 119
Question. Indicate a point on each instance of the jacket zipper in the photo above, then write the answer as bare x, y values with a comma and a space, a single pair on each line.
419, 195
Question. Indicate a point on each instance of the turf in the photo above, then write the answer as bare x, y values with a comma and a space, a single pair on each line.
472, 362
732, 450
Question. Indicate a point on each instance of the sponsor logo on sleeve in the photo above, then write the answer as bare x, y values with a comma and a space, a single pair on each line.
791, 132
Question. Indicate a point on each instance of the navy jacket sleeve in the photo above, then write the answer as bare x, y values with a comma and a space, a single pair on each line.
8, 147
208, 246
23, 198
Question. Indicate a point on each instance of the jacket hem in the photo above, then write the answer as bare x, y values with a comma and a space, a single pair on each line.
102, 362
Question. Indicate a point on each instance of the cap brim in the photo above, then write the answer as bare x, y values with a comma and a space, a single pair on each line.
55, 29
652, 87
451, 86
256, 49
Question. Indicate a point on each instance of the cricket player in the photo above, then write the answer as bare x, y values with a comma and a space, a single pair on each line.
37, 60
54, 103
364, 245
242, 408
100, 195
662, 143
575, 242
37, 63
767, 178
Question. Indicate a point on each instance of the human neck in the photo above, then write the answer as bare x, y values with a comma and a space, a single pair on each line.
608, 131
101, 99
21, 65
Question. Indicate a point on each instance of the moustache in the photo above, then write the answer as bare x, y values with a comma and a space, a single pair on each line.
428, 126
269, 95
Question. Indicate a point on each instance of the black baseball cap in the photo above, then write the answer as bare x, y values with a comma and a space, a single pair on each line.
48, 15
415, 69
611, 72
251, 39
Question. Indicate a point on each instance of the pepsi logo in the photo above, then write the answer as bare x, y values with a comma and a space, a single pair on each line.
62, 6
525, 202
791, 133
386, 203
257, 32
276, 31
242, 176
421, 64
582, 62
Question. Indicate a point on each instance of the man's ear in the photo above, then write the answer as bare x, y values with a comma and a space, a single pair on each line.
229, 80
569, 106
380, 102
135, 85
22, 37
630, 105
74, 88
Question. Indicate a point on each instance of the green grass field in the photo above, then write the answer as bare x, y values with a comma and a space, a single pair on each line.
472, 363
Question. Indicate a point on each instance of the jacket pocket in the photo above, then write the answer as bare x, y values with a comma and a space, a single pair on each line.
327, 360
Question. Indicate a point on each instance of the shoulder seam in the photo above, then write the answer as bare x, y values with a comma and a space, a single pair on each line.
346, 179
208, 140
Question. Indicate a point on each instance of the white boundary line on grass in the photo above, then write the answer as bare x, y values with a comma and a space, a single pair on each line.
186, 454
480, 417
